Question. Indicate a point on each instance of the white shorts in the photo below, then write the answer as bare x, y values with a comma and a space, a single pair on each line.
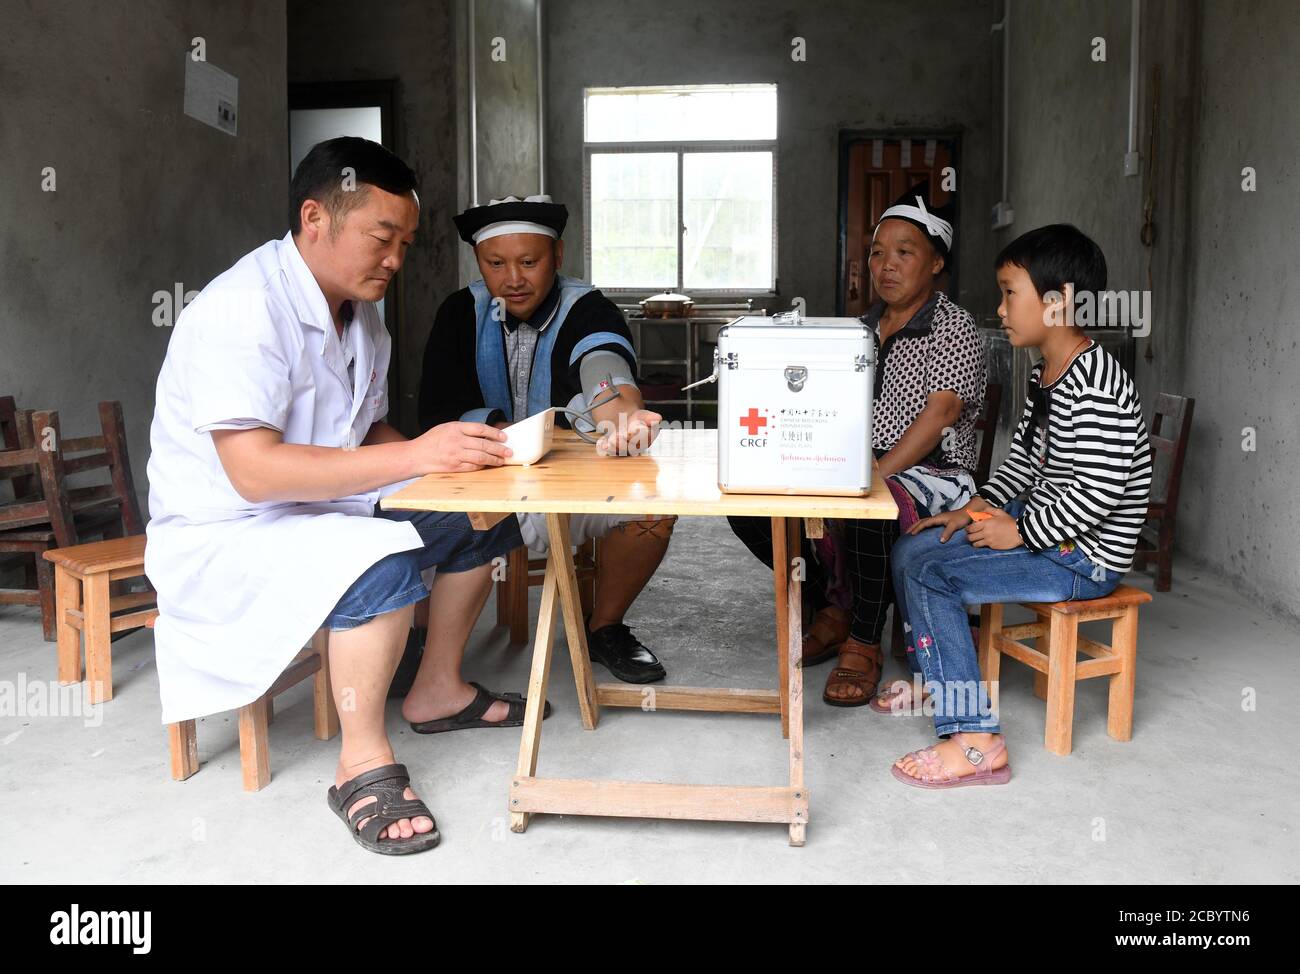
582, 528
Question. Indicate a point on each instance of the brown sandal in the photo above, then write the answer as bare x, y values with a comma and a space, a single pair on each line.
864, 680
830, 627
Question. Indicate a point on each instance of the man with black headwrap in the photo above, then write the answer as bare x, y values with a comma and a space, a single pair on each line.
526, 338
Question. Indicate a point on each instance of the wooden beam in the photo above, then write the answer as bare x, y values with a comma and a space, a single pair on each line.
709, 699
294, 674
647, 799
485, 520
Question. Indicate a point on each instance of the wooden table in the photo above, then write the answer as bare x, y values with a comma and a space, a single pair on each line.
678, 476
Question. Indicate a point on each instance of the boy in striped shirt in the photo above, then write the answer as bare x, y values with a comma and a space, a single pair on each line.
1080, 461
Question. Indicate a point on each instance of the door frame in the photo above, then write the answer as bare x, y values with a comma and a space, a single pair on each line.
850, 137
364, 94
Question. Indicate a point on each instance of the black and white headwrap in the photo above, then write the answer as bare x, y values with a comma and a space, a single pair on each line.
913, 208
532, 214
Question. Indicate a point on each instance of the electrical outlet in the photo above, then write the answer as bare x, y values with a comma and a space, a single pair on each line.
1003, 215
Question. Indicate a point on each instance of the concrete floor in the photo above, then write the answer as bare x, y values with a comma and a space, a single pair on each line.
1198, 796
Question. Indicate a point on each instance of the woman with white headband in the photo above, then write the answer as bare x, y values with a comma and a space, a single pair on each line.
929, 389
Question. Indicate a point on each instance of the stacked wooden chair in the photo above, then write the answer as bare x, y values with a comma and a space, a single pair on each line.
45, 510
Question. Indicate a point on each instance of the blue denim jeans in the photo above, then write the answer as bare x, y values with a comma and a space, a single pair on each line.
933, 583
450, 543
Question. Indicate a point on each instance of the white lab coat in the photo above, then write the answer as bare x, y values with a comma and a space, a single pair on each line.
242, 586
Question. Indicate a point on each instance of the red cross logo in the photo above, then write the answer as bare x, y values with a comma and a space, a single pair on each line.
753, 422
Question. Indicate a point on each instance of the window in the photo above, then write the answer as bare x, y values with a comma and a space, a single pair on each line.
681, 188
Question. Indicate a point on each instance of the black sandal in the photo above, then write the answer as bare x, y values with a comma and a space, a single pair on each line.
472, 716
386, 784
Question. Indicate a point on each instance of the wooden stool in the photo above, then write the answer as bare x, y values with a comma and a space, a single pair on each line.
255, 718
84, 605
522, 573
1055, 659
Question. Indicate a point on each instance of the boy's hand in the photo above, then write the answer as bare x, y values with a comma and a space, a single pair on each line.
630, 437
999, 532
950, 521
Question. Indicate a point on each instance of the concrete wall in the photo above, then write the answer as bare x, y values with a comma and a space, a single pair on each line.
1240, 513
1069, 128
508, 132
870, 65
414, 42
1222, 332
1068, 136
508, 137
145, 196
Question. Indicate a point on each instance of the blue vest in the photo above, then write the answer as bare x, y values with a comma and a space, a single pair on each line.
490, 354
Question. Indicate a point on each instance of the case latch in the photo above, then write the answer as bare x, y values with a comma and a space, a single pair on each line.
731, 364
860, 364
796, 376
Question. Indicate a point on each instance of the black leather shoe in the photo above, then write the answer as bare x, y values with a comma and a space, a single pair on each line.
410, 663
615, 648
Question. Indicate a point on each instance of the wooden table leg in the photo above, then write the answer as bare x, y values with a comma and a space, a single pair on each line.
781, 578
531, 794
538, 679
575, 628
792, 694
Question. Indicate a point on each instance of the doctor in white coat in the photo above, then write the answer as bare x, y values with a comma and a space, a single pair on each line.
269, 455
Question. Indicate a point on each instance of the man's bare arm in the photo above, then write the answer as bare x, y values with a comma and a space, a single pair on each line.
262, 467
628, 402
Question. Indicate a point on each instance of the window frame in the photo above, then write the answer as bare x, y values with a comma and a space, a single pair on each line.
681, 149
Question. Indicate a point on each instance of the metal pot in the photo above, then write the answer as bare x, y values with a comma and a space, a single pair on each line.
667, 305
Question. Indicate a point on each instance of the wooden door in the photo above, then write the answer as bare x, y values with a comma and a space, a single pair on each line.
878, 171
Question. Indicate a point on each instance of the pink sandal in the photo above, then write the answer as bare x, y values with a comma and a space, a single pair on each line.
897, 699
935, 774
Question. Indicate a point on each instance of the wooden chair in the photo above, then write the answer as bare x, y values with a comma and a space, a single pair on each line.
86, 607
1170, 429
987, 426
48, 512
24, 482
1055, 658
15, 434
255, 718
522, 573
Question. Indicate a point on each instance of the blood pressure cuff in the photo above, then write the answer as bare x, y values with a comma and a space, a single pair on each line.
601, 368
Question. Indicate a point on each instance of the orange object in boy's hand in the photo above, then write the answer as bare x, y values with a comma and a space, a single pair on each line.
980, 515
1000, 533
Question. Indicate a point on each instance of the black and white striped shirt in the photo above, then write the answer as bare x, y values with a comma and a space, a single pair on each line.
1089, 478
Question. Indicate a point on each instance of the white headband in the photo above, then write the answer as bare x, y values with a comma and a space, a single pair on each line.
511, 226
934, 225
515, 226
